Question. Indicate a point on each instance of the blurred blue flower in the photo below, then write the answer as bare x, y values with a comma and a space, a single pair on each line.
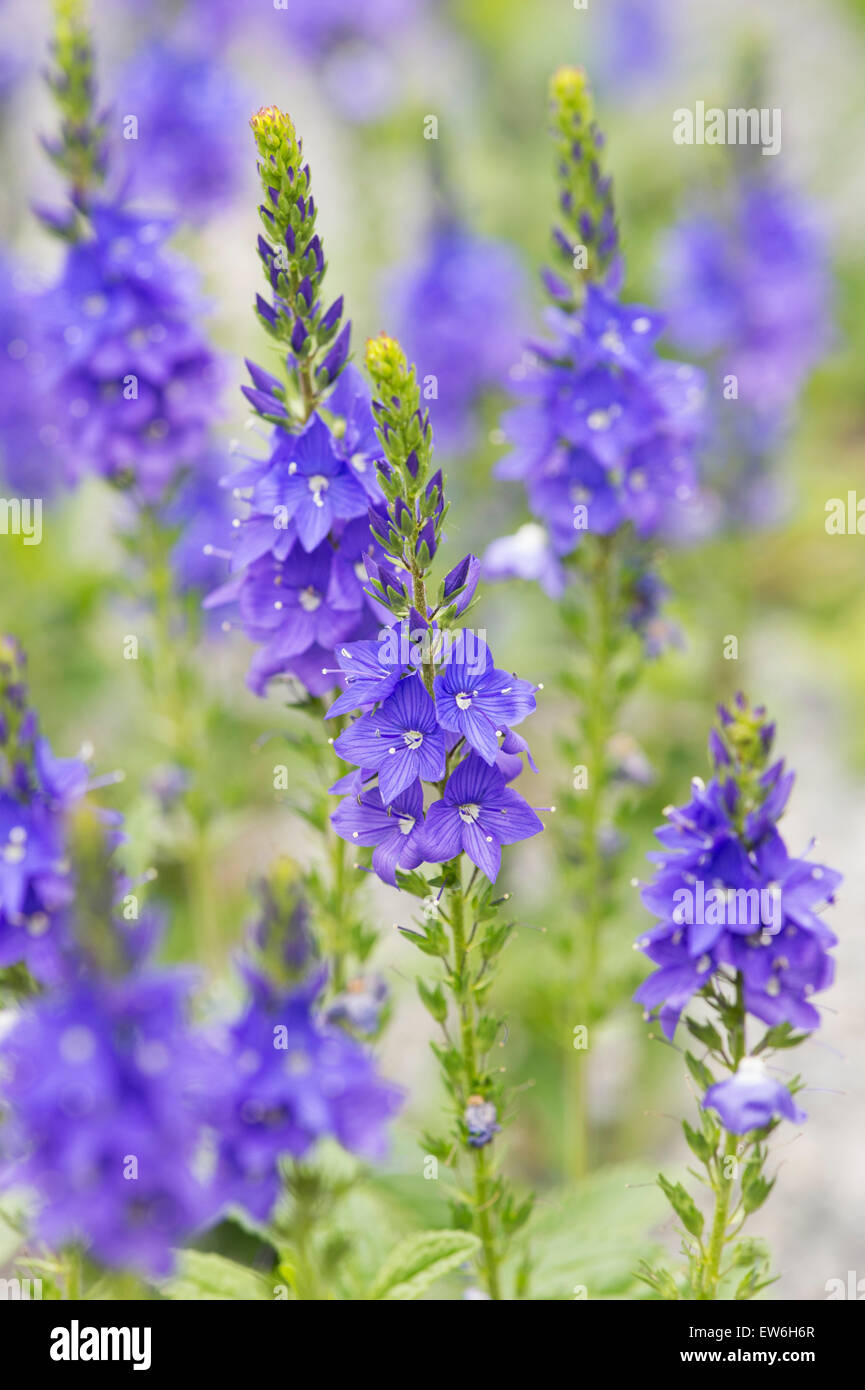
460, 313
608, 431
105, 1086
748, 290
293, 1080
133, 375
189, 145
751, 1099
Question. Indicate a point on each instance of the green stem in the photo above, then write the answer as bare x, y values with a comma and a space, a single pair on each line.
468, 1047
717, 1240
598, 724
179, 710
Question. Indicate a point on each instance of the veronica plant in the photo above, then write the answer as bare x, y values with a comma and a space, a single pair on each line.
133, 382
38, 791
298, 577
741, 950
434, 749
604, 445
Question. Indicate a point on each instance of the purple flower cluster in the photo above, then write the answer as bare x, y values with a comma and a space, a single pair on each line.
298, 567
293, 1079
748, 290
460, 313
317, 26
105, 1086
181, 100
134, 378
27, 435
36, 792
459, 739
607, 431
732, 901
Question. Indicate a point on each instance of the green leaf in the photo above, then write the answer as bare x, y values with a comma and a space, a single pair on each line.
205, 1277
683, 1205
433, 1001
705, 1033
698, 1143
699, 1071
419, 1260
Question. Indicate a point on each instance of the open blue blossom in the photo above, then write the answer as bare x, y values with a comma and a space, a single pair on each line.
751, 1098
133, 377
478, 814
401, 741
105, 1088
730, 896
310, 485
461, 314
294, 1080
476, 700
396, 830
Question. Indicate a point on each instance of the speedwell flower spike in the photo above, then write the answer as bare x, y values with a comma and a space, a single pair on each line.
740, 930
435, 754
604, 443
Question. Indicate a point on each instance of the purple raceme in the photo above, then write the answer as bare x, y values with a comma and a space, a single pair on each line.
748, 291
37, 793
177, 99
136, 378
604, 441
434, 749
105, 1087
726, 841
295, 1078
298, 574
741, 930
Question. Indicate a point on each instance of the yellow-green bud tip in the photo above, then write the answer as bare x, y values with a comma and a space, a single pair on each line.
571, 94
384, 357
272, 127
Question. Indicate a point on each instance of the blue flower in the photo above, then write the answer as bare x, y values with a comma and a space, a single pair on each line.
748, 290
481, 1121
183, 101
294, 1080
401, 741
105, 1087
608, 433
751, 1099
728, 893
478, 814
309, 485
396, 830
460, 313
479, 702
134, 378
